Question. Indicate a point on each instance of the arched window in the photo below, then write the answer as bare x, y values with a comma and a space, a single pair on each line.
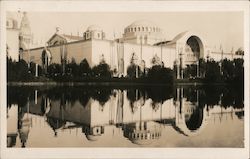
134, 29
146, 28
87, 35
142, 28
46, 59
139, 28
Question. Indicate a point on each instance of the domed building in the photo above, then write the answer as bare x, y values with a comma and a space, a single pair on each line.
143, 32
94, 32
141, 39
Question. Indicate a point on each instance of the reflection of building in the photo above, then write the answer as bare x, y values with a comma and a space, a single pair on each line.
12, 114
142, 127
93, 133
142, 133
24, 124
142, 39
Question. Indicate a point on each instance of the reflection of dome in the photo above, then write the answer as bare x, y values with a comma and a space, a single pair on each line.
93, 133
11, 140
144, 135
92, 137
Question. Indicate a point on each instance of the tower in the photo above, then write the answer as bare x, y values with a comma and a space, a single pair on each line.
25, 36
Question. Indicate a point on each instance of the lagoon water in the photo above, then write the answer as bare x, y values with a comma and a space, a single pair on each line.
125, 117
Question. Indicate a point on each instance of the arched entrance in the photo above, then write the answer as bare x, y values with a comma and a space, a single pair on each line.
46, 59
194, 50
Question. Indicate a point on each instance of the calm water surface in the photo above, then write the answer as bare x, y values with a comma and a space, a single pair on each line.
125, 117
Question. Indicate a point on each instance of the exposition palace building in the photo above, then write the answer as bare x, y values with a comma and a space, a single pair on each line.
140, 43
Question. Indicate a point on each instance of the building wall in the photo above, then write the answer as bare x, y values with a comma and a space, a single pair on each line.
218, 55
105, 48
76, 50
148, 52
118, 54
12, 115
56, 39
12, 40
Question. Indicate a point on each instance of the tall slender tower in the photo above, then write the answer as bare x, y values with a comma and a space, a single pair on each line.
25, 35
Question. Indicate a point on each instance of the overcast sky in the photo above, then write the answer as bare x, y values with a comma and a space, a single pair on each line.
217, 28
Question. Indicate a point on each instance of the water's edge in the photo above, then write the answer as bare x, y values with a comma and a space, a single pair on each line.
101, 84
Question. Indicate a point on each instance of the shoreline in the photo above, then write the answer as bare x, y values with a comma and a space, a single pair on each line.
51, 83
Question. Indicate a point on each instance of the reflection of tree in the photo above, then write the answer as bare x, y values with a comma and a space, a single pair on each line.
233, 96
55, 124
102, 95
213, 95
159, 94
19, 95
84, 97
136, 98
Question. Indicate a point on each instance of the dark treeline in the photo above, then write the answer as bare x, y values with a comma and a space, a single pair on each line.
22, 71
205, 95
20, 95
219, 95
209, 71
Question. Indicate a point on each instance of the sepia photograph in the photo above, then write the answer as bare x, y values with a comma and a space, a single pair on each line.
126, 79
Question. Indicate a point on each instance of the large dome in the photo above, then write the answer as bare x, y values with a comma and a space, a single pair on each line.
143, 31
142, 26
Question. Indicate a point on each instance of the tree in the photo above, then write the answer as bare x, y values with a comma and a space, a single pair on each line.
238, 72
72, 68
158, 73
202, 67
190, 71
131, 71
54, 70
84, 68
227, 70
134, 68
102, 70
212, 72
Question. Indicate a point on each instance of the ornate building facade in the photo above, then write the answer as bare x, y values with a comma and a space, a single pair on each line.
18, 34
141, 42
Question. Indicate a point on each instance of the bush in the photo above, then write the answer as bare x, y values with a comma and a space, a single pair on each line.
161, 74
